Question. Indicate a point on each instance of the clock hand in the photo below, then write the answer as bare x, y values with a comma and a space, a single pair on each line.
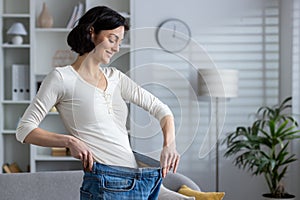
182, 37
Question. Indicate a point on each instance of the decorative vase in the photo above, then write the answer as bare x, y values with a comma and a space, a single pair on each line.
45, 19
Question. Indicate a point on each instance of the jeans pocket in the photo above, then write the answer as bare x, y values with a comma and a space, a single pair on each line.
84, 195
118, 183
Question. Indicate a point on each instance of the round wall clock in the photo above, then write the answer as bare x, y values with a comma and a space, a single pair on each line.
173, 35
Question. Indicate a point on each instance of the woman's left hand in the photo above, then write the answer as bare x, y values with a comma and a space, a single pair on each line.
169, 159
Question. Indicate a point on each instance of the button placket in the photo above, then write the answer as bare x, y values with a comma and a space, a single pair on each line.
108, 102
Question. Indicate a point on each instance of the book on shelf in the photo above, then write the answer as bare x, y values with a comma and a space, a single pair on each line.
11, 168
6, 169
78, 11
20, 82
59, 151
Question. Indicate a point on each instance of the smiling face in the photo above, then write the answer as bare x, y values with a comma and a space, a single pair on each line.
107, 43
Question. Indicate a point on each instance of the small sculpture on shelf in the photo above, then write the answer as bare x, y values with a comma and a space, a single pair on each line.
17, 30
45, 19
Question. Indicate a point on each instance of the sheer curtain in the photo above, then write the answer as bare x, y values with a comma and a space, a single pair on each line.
296, 92
296, 58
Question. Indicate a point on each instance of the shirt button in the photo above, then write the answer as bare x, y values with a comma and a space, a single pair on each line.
107, 97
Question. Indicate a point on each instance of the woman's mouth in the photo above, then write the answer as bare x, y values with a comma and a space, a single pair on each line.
110, 54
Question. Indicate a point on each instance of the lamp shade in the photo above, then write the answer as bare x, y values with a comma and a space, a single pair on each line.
218, 83
17, 29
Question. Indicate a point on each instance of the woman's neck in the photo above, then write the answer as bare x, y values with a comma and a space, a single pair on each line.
86, 65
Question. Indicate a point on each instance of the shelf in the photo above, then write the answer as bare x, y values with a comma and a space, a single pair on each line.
9, 132
53, 113
55, 158
47, 30
6, 45
10, 15
16, 102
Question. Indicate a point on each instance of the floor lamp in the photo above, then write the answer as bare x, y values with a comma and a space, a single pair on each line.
218, 85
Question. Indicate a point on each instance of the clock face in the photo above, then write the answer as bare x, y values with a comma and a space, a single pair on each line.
173, 35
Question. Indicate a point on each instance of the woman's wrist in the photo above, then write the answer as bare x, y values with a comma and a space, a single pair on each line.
169, 143
70, 140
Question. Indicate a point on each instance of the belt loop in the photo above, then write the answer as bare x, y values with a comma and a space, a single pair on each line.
94, 168
140, 175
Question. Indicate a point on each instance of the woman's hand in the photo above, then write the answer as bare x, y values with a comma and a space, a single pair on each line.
169, 158
80, 151
77, 148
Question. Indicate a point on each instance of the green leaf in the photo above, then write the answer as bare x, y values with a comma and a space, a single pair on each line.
281, 175
272, 128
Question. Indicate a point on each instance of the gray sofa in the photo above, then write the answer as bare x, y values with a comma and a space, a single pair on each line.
60, 185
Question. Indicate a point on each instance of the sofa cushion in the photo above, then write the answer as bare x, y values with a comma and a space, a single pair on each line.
185, 190
166, 194
174, 181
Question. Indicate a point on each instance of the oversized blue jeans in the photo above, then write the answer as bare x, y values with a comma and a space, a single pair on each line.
106, 182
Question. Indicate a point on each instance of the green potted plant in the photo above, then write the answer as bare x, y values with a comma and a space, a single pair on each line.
263, 147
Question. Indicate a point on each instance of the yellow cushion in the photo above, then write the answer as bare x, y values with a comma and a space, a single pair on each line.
185, 190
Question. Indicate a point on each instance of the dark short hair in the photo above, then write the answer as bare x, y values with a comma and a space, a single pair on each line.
100, 18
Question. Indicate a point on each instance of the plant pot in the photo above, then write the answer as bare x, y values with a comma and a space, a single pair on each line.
286, 197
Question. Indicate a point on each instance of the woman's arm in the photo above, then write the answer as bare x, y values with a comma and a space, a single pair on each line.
77, 148
134, 93
169, 156
50, 93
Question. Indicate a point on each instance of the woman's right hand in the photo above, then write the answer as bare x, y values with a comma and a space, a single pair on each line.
80, 151
77, 148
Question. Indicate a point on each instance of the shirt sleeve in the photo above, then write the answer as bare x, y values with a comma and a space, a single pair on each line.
134, 93
51, 90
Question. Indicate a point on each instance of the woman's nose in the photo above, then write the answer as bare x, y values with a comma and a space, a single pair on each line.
116, 47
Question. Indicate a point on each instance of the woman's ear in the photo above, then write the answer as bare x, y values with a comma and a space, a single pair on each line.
91, 30
92, 33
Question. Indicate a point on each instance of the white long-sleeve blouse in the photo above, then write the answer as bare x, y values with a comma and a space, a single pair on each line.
96, 117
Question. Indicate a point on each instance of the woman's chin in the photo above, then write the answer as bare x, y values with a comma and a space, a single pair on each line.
106, 61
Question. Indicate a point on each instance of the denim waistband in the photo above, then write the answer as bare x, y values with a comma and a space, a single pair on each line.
152, 170
136, 173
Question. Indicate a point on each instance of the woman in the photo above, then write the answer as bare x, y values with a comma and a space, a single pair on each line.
91, 103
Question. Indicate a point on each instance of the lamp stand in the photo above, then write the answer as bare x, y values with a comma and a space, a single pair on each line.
217, 142
219, 84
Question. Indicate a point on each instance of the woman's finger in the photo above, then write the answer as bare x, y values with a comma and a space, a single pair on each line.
176, 164
91, 161
85, 160
164, 172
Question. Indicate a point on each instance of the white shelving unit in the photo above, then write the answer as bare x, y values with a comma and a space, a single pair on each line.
38, 50
10, 111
